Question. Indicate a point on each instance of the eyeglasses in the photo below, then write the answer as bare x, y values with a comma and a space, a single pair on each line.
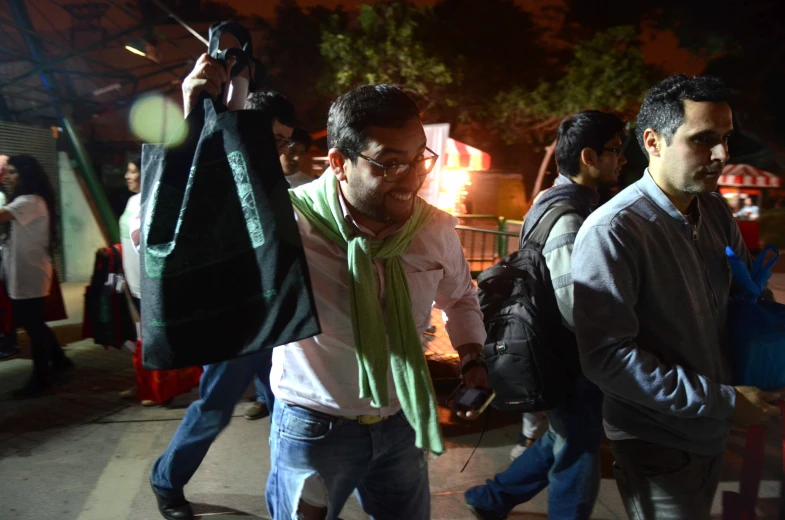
616, 151
283, 143
396, 172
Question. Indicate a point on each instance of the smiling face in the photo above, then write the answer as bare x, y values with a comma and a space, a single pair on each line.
694, 159
133, 178
362, 183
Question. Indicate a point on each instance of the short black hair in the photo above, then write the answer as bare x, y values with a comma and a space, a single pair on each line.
589, 129
301, 136
663, 107
385, 106
274, 106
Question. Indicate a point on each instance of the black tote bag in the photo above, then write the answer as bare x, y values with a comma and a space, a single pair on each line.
223, 268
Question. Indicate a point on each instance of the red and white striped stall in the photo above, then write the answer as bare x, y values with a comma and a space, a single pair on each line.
746, 176
461, 156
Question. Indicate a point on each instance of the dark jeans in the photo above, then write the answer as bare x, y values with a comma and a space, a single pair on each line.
29, 314
565, 460
659, 483
222, 386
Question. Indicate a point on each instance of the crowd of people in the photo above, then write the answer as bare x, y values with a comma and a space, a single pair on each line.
642, 284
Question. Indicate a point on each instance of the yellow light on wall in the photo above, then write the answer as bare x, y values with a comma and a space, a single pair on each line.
453, 190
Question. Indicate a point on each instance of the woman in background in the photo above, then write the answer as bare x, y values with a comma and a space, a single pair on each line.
153, 387
27, 265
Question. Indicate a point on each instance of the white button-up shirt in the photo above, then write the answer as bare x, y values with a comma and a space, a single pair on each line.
321, 373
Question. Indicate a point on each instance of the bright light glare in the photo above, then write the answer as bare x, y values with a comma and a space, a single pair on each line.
157, 119
452, 190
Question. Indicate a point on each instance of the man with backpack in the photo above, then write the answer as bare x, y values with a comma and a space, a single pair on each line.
566, 459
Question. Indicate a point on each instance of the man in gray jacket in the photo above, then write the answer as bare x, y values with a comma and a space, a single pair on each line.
651, 288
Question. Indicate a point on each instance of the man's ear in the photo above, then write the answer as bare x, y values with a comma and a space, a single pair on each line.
589, 157
337, 163
651, 141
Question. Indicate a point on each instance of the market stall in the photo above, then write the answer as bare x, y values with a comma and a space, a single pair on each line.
744, 187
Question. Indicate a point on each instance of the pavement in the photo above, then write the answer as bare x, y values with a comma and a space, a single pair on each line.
85, 454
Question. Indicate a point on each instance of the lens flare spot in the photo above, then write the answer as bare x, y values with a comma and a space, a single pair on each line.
157, 119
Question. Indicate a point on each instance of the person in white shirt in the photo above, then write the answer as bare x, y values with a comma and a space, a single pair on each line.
131, 266
129, 221
27, 265
292, 155
750, 211
355, 410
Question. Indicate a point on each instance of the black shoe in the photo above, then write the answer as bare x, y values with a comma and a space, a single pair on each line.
33, 388
484, 514
173, 509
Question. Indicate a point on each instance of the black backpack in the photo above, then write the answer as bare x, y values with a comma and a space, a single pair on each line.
532, 357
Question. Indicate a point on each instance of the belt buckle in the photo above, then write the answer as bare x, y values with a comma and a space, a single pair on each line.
367, 420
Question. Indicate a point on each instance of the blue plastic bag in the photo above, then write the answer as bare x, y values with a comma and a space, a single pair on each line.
757, 327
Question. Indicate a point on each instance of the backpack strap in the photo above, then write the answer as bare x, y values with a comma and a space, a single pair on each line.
539, 234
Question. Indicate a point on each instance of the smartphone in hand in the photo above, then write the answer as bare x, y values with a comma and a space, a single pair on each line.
465, 399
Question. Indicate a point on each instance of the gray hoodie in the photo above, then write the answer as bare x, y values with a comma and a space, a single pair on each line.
651, 297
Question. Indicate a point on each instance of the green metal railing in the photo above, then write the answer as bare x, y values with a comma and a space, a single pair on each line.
484, 246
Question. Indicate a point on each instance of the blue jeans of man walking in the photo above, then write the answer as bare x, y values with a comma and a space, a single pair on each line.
565, 460
221, 387
322, 459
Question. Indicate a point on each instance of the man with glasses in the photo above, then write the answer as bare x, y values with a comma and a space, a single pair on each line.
222, 384
355, 408
566, 458
299, 145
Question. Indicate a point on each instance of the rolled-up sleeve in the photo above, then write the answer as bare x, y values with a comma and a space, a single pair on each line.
456, 296
606, 285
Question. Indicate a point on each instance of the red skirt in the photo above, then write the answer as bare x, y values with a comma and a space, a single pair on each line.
162, 385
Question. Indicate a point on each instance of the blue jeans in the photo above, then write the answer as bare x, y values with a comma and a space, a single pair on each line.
338, 456
565, 460
221, 387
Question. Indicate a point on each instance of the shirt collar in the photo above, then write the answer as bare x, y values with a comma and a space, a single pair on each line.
650, 188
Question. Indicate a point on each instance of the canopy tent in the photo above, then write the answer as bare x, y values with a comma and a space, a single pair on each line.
458, 155
746, 176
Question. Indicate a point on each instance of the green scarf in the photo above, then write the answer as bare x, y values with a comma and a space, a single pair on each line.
318, 202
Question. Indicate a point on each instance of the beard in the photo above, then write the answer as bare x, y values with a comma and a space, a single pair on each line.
704, 180
374, 203
366, 200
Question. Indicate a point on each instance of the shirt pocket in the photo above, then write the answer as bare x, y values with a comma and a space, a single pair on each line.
422, 289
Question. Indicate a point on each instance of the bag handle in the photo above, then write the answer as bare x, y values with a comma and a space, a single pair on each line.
754, 279
243, 56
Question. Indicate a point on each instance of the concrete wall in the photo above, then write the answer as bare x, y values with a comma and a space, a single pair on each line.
81, 235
